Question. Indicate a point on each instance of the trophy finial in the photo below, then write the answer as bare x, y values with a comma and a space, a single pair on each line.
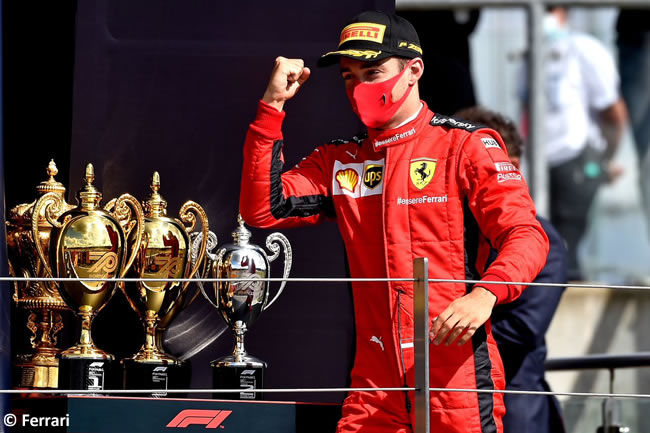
52, 170
90, 174
155, 182
155, 205
89, 196
51, 185
241, 235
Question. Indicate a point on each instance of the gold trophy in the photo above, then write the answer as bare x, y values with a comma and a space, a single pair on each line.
88, 242
38, 369
163, 254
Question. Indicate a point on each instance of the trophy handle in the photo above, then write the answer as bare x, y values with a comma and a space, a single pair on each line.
188, 214
216, 263
196, 240
16, 284
123, 209
110, 206
273, 242
53, 205
14, 296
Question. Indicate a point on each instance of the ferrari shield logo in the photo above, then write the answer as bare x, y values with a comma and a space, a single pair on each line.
422, 170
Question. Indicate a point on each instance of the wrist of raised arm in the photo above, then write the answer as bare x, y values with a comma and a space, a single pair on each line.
268, 121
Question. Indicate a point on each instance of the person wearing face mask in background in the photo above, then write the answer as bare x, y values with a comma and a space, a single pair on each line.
584, 120
418, 184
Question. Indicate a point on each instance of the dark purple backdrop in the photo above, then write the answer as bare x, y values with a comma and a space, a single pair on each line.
171, 86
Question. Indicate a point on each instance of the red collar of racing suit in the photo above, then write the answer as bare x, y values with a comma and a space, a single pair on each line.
381, 138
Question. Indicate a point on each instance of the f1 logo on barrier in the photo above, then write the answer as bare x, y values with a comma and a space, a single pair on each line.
208, 418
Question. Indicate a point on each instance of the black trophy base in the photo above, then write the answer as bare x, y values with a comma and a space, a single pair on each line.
94, 375
156, 375
246, 376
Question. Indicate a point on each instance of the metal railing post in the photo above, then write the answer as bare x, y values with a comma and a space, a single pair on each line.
536, 155
422, 323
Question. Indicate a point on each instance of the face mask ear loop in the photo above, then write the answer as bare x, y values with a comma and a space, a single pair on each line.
406, 93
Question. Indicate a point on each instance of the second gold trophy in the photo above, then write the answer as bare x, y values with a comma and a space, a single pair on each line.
163, 254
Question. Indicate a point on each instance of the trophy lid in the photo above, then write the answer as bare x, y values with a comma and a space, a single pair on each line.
51, 185
22, 213
155, 205
241, 235
89, 196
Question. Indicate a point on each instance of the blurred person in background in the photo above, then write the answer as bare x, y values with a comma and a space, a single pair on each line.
633, 43
584, 120
519, 327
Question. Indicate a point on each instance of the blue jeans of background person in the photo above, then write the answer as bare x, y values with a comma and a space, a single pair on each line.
634, 66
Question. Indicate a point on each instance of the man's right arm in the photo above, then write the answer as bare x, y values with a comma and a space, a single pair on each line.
270, 198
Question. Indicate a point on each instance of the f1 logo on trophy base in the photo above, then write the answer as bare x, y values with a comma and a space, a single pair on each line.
247, 374
240, 304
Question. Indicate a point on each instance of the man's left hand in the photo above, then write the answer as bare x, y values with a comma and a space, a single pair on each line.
463, 317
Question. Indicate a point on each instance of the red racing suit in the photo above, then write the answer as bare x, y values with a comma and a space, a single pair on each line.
437, 188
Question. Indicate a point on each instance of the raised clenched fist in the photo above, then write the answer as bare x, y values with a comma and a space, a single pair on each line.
287, 77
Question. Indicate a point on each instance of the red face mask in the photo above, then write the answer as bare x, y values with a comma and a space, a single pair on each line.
373, 102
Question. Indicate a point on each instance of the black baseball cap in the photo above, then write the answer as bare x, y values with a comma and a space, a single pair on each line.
375, 35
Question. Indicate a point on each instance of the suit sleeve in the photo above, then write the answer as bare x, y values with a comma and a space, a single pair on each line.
525, 321
270, 198
498, 198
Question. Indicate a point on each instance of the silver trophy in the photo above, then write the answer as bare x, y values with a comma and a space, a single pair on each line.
241, 303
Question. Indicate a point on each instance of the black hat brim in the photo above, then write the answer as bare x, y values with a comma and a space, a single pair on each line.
333, 57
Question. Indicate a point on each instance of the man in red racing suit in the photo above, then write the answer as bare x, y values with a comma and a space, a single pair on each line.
420, 185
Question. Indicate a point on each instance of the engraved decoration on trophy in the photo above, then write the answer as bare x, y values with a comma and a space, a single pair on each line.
241, 303
196, 242
175, 334
42, 299
163, 254
89, 243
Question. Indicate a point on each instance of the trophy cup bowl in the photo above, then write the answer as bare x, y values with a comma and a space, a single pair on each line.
200, 261
89, 243
240, 304
40, 298
163, 254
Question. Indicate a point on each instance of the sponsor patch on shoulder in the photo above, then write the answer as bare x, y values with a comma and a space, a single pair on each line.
450, 122
504, 177
504, 166
490, 143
